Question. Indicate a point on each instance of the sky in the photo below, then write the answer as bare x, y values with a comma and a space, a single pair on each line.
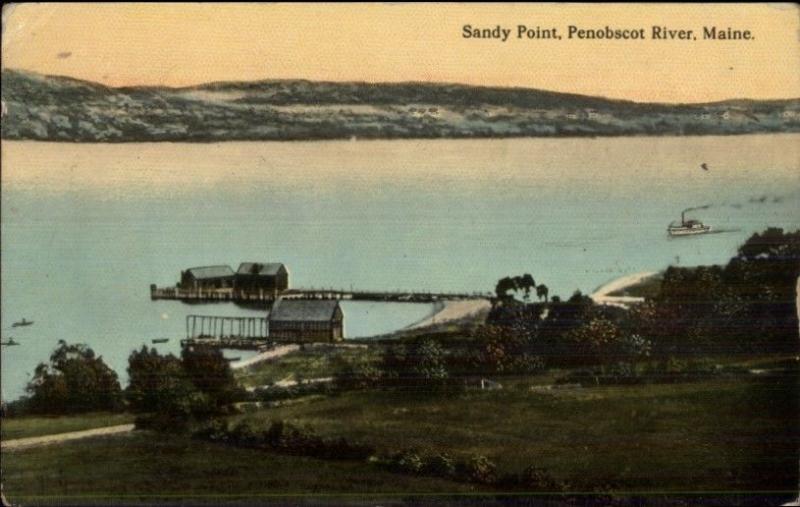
186, 44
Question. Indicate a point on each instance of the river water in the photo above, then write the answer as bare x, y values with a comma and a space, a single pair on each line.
86, 228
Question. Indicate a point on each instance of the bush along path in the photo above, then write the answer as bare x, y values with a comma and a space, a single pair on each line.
286, 438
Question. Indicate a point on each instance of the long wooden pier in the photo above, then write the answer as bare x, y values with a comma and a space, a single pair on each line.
220, 295
214, 295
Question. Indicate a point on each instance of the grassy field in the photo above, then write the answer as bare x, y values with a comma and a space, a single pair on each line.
34, 426
729, 434
152, 467
313, 362
718, 435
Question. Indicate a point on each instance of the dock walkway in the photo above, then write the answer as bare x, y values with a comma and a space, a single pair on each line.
221, 295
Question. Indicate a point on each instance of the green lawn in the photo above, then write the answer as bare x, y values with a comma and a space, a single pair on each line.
34, 426
729, 434
718, 435
148, 467
314, 362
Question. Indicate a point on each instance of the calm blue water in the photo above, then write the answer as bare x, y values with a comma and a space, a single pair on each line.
87, 228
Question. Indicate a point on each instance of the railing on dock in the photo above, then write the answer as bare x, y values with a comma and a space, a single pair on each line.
312, 293
209, 294
226, 328
396, 296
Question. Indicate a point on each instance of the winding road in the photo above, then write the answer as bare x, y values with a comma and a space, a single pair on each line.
24, 443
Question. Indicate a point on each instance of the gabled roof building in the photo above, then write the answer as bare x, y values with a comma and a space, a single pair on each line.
306, 320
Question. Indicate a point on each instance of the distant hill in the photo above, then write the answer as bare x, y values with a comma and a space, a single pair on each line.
56, 108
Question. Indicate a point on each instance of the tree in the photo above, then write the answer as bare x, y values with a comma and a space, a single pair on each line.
172, 392
428, 362
156, 381
746, 306
422, 363
209, 371
515, 283
598, 340
74, 381
542, 292
526, 283
503, 286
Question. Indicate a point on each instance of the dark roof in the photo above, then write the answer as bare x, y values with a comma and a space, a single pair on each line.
259, 268
211, 272
303, 310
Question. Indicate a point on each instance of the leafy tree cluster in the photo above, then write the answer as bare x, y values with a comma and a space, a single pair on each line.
524, 283
520, 338
421, 365
173, 391
75, 380
746, 306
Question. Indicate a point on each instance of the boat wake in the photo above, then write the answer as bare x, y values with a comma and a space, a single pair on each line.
716, 230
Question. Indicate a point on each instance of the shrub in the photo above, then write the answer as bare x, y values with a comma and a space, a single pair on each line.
621, 373
285, 393
216, 430
585, 377
674, 365
539, 479
246, 434
163, 422
408, 462
358, 374
274, 434
340, 448
636, 346
478, 469
439, 465
526, 363
306, 443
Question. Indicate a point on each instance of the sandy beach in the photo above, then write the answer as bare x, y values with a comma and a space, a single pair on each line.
601, 295
454, 310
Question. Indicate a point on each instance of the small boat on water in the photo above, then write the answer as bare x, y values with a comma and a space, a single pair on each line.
22, 322
687, 227
160, 340
11, 343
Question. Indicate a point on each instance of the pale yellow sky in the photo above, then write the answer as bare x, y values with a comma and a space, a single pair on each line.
184, 44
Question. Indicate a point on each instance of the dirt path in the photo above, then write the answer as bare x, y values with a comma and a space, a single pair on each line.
601, 295
265, 356
454, 310
24, 443
291, 383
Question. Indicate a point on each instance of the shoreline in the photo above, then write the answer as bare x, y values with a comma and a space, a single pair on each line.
601, 294
449, 311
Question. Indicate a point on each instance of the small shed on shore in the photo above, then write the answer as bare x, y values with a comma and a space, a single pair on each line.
207, 278
306, 320
258, 277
